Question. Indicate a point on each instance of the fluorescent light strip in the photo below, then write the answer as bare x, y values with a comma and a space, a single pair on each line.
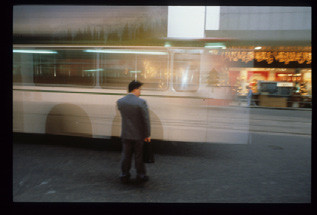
135, 71
210, 47
215, 45
122, 51
34, 51
93, 70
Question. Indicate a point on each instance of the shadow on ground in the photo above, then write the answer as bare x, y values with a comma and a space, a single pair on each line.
113, 144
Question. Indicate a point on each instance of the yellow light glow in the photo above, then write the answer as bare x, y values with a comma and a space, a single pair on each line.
277, 54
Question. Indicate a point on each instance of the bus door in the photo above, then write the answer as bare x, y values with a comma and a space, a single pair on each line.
226, 122
185, 113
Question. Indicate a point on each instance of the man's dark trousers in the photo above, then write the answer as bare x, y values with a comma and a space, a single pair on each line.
128, 147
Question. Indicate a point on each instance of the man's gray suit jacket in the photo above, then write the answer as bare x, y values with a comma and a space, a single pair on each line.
135, 118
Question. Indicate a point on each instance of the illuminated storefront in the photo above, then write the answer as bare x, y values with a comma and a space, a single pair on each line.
251, 66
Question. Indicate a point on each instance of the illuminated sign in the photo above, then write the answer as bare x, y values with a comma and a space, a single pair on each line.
285, 84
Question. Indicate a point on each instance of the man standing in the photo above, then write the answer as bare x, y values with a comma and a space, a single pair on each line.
135, 130
249, 95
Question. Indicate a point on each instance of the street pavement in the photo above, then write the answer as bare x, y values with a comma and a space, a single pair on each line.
270, 168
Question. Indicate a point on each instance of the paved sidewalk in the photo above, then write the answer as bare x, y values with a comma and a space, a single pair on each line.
271, 169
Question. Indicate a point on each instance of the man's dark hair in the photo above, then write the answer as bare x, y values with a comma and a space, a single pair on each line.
134, 85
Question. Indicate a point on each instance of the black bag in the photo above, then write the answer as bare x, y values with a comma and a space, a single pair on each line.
148, 154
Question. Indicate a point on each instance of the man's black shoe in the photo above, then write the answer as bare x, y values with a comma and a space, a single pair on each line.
125, 179
142, 179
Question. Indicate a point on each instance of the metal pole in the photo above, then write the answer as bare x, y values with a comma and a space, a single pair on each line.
98, 72
135, 68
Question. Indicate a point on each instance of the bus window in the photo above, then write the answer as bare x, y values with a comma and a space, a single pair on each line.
118, 70
17, 64
44, 67
22, 69
186, 72
68, 67
115, 70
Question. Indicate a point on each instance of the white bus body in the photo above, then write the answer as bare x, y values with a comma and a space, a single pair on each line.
183, 105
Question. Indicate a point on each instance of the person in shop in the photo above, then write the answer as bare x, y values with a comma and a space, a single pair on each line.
249, 96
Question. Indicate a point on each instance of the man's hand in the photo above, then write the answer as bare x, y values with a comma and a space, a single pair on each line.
148, 139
